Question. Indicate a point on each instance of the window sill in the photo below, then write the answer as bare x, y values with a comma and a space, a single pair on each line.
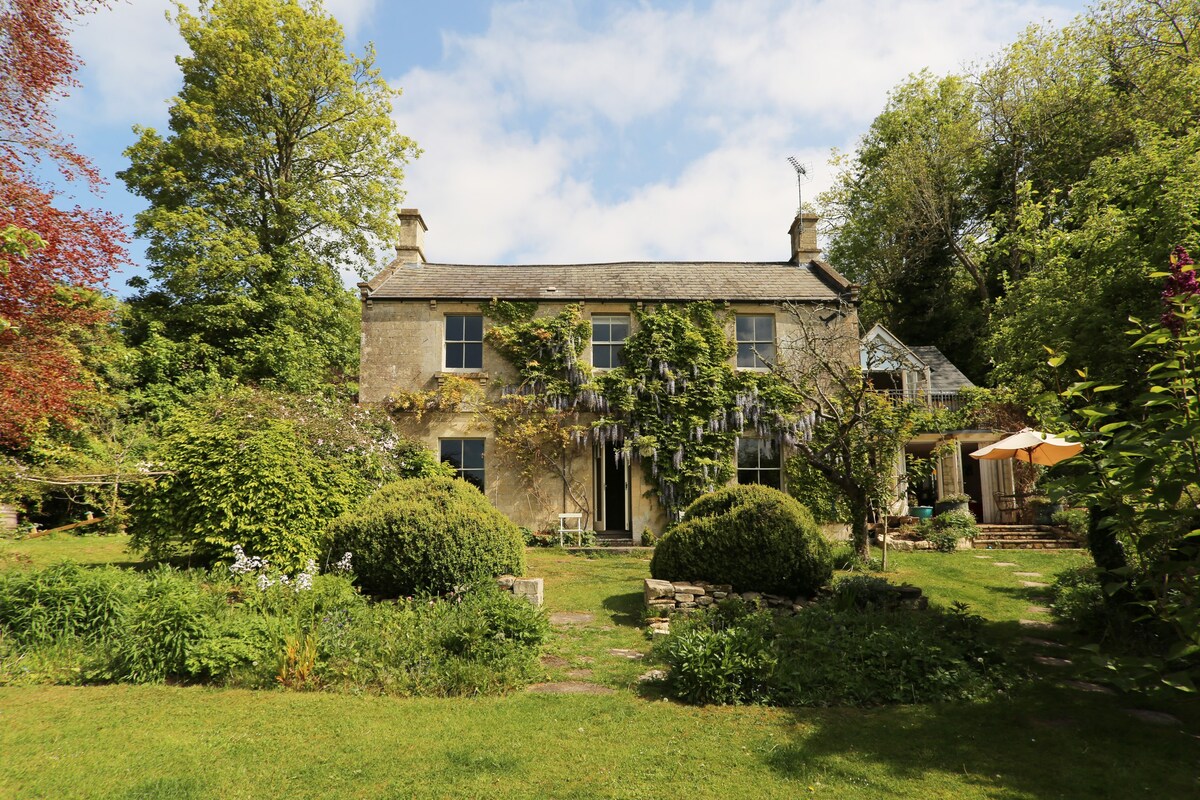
469, 374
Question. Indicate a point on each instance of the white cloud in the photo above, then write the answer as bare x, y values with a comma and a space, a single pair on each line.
129, 53
524, 121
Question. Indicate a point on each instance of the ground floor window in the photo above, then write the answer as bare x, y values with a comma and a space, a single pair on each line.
466, 456
759, 461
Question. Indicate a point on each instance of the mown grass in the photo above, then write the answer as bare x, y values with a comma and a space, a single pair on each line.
1044, 741
86, 549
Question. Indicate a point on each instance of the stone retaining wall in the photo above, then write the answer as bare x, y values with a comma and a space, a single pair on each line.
685, 598
529, 588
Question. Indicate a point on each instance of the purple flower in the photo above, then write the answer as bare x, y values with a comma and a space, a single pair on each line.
1180, 285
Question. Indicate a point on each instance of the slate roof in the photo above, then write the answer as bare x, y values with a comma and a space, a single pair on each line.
633, 280
943, 376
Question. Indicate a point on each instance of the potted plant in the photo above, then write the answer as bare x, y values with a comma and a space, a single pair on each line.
954, 502
1043, 509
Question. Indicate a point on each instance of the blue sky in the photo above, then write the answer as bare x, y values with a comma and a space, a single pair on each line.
591, 131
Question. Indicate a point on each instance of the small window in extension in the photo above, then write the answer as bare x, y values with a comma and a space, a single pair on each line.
466, 456
464, 341
609, 333
755, 341
758, 461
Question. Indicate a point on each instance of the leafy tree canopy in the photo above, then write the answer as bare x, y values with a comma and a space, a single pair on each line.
282, 168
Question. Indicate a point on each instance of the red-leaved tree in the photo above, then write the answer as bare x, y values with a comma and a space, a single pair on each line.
52, 258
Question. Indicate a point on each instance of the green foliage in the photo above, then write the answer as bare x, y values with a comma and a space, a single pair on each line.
73, 624
944, 530
267, 472
282, 167
427, 536
847, 653
546, 350
815, 491
1075, 520
752, 537
721, 658
1077, 599
830, 658
1021, 204
1137, 475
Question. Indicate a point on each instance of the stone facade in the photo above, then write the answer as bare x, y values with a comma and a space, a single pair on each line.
404, 311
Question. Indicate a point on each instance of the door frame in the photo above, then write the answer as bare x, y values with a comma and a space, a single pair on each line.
600, 485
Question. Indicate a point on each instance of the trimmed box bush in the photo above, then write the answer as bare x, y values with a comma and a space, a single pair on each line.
427, 536
752, 537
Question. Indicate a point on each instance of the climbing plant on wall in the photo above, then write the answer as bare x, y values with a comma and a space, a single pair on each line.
676, 402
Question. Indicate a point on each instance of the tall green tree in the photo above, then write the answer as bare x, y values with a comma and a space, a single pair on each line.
282, 169
906, 222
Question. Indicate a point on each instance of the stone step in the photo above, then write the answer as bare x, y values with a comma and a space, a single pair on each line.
1025, 544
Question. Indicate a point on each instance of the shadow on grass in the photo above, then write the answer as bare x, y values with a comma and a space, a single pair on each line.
1042, 742
626, 608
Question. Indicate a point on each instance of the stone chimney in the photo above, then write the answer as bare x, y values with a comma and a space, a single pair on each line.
410, 247
804, 239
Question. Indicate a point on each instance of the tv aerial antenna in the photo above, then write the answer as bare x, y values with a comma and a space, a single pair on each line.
801, 175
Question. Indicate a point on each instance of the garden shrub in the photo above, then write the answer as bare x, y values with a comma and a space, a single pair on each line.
1075, 520
752, 537
266, 472
720, 660
1077, 599
841, 653
834, 658
944, 530
427, 536
254, 630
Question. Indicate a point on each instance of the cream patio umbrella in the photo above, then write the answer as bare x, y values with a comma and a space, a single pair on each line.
1033, 447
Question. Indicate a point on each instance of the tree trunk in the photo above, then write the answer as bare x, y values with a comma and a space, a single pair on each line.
859, 512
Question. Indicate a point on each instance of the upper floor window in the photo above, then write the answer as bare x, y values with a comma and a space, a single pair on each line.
758, 461
466, 456
464, 341
755, 340
609, 333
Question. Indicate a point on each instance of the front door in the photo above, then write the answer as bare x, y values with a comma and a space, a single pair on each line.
612, 489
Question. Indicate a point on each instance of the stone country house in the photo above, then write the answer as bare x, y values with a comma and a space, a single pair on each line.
422, 324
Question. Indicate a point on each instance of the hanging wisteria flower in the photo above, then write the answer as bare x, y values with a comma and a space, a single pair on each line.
1181, 284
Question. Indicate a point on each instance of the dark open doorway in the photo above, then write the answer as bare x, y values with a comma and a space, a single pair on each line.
612, 490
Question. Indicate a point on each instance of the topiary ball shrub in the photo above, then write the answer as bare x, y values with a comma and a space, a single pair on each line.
426, 536
752, 537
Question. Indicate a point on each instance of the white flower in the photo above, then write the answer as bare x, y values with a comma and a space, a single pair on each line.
264, 582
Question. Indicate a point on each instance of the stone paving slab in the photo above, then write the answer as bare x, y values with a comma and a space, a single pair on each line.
1051, 661
1033, 584
632, 655
1153, 717
571, 618
569, 687
1088, 686
1042, 642
1028, 574
983, 556
1037, 610
1003, 564
1038, 625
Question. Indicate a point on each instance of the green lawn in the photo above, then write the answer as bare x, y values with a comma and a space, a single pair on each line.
1046, 741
